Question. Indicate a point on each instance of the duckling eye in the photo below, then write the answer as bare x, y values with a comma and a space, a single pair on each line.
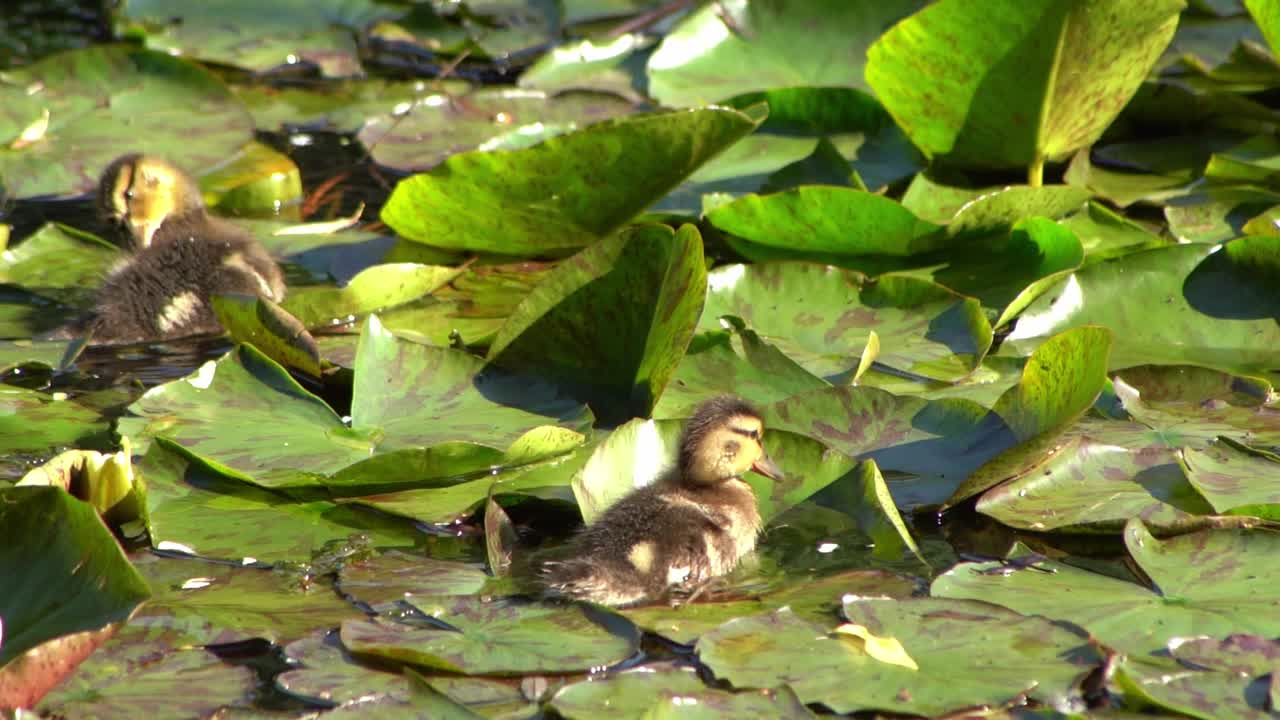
128, 194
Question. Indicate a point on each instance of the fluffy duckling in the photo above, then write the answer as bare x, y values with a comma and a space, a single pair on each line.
693, 524
181, 256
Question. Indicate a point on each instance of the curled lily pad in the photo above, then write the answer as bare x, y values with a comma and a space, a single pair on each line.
561, 194
375, 288
256, 320
83, 584
103, 101
497, 637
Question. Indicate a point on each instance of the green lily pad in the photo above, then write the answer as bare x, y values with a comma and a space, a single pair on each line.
661, 692
1094, 480
548, 480
241, 34
820, 317
823, 221
60, 263
382, 581
208, 604
1202, 584
735, 361
1233, 480
195, 510
270, 328
1060, 71
613, 321
373, 289
561, 194
497, 637
766, 651
1104, 234
84, 583
715, 54
36, 422
435, 127
1226, 678
326, 673
401, 430
1149, 302
106, 100
117, 679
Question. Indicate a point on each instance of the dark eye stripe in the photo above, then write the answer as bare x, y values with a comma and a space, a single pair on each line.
753, 434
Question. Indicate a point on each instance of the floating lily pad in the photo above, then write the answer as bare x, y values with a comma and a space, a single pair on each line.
496, 637
568, 192
766, 651
107, 100
192, 508
649, 692
1060, 71
613, 321
420, 135
240, 33
1224, 678
270, 328
393, 576
116, 680
327, 673
210, 603
820, 317
400, 432
1148, 301
36, 422
1202, 584
373, 289
1233, 480
715, 54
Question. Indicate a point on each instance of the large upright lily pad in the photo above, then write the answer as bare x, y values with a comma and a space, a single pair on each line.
1011, 83
108, 100
612, 321
565, 193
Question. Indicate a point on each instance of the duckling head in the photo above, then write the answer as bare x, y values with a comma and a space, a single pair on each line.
723, 440
141, 191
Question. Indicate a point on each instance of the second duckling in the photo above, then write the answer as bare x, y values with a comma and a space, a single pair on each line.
182, 256
693, 524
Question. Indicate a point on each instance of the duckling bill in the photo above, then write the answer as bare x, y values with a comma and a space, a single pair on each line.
693, 524
181, 257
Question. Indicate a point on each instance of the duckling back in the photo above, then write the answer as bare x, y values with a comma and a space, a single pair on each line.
163, 291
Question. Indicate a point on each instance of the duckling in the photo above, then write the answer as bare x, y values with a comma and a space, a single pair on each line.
181, 256
694, 523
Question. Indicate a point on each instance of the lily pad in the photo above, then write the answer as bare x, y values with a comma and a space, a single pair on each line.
715, 54
382, 581
825, 221
241, 34
766, 651
496, 637
1150, 303
270, 328
1060, 71
1202, 584
106, 100
735, 360
421, 134
400, 432
1226, 678
649, 692
83, 584
820, 317
193, 509
568, 192
373, 289
613, 321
